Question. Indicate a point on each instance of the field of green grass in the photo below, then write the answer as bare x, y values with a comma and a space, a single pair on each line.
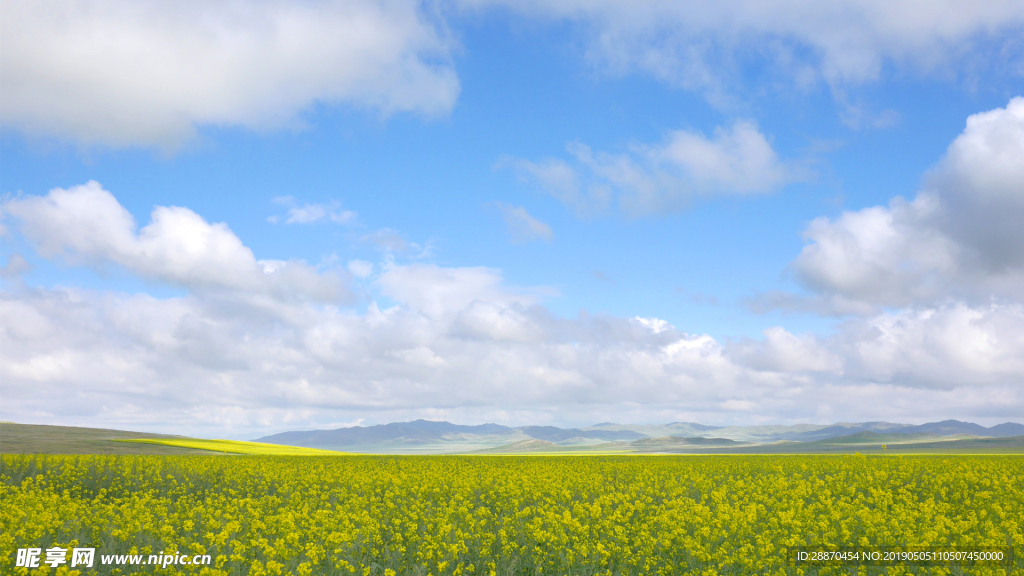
40, 439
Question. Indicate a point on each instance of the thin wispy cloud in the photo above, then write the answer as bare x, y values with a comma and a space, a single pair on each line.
666, 176
522, 227
708, 46
309, 213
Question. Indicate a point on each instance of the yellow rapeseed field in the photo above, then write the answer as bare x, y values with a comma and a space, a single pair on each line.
236, 447
394, 515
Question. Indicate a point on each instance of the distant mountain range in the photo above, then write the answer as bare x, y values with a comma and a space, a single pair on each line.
424, 436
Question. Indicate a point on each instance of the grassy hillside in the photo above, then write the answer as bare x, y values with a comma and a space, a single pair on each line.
927, 445
680, 441
865, 443
40, 439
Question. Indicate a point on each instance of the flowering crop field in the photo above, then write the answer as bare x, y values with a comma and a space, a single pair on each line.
453, 515
235, 447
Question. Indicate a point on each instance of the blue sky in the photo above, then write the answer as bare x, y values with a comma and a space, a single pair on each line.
504, 211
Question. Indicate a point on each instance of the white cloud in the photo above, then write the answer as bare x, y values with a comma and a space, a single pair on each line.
87, 225
559, 179
522, 227
890, 255
706, 45
441, 292
784, 352
940, 347
250, 349
360, 268
122, 73
959, 238
419, 356
947, 347
737, 159
387, 239
308, 213
16, 266
210, 364
652, 178
981, 180
656, 325
151, 74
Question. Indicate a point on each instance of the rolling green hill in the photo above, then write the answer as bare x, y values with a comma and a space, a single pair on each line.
41, 439
863, 442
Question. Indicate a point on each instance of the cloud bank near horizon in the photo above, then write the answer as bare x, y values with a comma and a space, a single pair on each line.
257, 345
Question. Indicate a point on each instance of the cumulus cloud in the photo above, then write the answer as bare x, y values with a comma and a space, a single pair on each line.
945, 347
890, 255
522, 227
441, 292
200, 359
960, 237
122, 73
652, 178
937, 347
705, 45
781, 351
981, 181
250, 349
481, 351
87, 225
